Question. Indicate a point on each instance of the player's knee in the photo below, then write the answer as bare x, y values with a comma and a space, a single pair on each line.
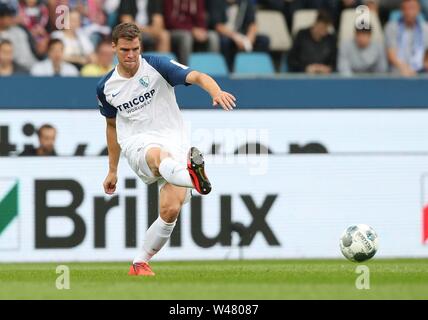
169, 213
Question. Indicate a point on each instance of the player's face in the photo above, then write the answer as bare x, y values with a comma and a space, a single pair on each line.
128, 52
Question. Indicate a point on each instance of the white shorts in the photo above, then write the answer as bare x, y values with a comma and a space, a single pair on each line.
136, 156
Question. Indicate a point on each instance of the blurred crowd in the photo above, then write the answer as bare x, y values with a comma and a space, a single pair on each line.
72, 37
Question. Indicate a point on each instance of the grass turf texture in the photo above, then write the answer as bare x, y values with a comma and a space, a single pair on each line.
248, 279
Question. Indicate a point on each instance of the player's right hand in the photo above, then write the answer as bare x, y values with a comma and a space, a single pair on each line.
110, 183
225, 100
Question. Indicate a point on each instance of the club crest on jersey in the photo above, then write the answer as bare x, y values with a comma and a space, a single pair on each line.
145, 81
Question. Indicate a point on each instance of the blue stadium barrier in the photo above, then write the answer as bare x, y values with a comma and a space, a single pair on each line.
316, 92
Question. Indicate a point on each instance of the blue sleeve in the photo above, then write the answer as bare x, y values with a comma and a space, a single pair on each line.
106, 109
172, 71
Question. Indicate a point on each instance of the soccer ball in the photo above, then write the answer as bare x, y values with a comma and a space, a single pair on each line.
359, 243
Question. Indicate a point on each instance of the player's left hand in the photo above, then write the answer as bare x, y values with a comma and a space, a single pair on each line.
225, 100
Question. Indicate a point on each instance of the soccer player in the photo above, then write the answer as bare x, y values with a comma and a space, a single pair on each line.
144, 122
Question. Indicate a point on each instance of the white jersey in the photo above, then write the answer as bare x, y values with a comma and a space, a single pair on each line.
145, 105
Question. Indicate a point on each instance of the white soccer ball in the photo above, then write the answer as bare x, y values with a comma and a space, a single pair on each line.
359, 243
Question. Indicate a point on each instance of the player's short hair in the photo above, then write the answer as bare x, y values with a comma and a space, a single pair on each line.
45, 126
126, 30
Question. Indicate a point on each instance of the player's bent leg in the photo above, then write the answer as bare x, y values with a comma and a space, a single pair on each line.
176, 173
171, 200
161, 163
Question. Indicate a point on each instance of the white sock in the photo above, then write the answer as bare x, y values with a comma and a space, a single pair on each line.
175, 173
156, 236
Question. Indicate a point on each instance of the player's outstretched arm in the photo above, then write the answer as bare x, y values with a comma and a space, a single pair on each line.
113, 156
220, 97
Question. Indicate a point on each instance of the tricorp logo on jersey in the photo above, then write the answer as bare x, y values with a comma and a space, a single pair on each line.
9, 237
425, 209
137, 103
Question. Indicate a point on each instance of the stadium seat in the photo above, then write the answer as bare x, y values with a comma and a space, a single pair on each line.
253, 63
303, 19
272, 24
210, 63
347, 25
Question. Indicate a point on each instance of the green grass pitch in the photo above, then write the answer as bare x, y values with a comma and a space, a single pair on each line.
245, 279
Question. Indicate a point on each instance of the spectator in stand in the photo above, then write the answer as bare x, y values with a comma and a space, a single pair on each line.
92, 15
47, 137
147, 14
362, 55
55, 65
23, 55
78, 48
187, 22
96, 28
7, 66
235, 22
289, 7
407, 40
104, 61
95, 12
34, 16
82, 6
314, 49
